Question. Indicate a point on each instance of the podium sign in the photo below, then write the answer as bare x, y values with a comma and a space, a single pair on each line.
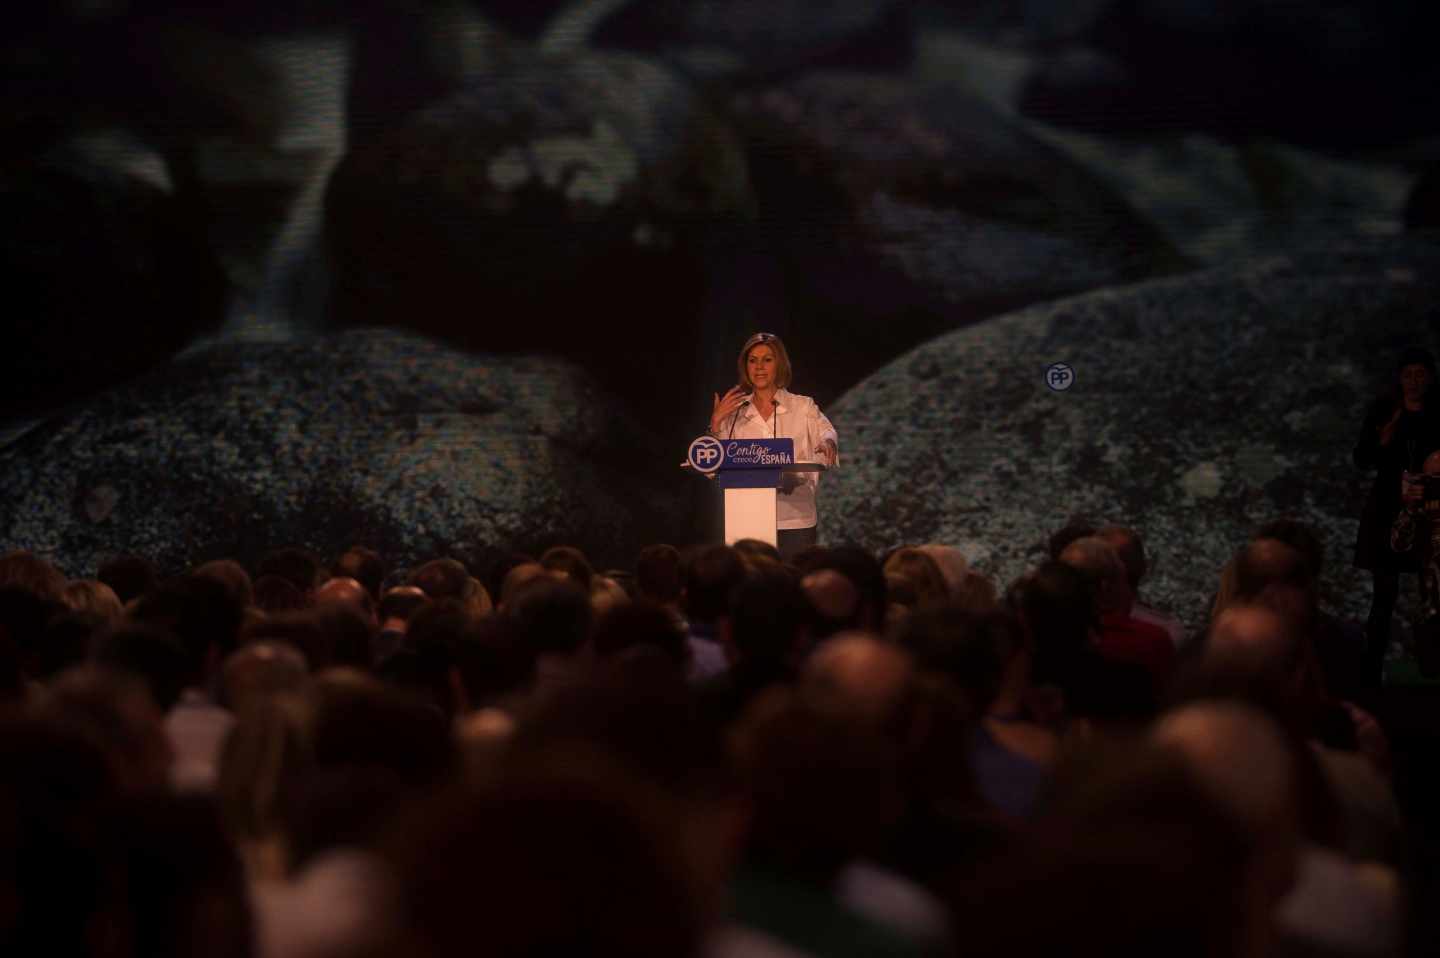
748, 470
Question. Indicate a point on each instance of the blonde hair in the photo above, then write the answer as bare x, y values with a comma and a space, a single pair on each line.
920, 571
783, 370
976, 593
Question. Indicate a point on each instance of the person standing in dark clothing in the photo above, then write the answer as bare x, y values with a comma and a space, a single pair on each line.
1400, 430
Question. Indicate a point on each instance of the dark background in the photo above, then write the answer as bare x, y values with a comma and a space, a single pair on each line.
459, 278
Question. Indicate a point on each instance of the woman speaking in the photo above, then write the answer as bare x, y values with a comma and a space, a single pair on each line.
762, 407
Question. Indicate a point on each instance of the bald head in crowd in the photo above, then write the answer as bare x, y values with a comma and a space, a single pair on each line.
1242, 761
518, 578
834, 599
1240, 757
343, 590
1253, 637
260, 670
856, 675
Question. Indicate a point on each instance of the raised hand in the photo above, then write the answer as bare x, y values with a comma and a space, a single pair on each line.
724, 407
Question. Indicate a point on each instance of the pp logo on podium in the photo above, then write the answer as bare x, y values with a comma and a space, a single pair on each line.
706, 454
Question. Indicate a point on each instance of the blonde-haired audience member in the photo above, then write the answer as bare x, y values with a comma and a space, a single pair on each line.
923, 573
950, 561
976, 593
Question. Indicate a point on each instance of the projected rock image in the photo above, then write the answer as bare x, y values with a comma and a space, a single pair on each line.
589, 206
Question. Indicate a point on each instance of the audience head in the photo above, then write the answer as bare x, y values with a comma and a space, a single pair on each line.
1130, 549
1301, 537
976, 593
259, 671
922, 572
518, 578
129, 575
57, 795
27, 571
364, 566
606, 594
92, 597
64, 644
428, 673
627, 626
757, 553
348, 635
867, 574
442, 579
184, 889
768, 616
550, 616
1076, 527
1132, 857
233, 577
348, 592
568, 561
1254, 631
499, 569
119, 714
448, 579
1265, 562
971, 650
270, 748
300, 567
274, 595
623, 889
1253, 770
1257, 653
835, 603
1242, 758
1098, 560
904, 597
361, 722
300, 630
950, 561
1056, 604
659, 575
859, 677
823, 786
711, 579
201, 613
401, 603
153, 654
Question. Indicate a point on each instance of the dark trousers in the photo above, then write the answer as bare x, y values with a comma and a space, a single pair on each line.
791, 542
1377, 626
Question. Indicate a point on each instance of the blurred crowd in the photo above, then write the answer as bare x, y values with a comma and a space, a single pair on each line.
711, 753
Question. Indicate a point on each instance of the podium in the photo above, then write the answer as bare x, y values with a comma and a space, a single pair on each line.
749, 472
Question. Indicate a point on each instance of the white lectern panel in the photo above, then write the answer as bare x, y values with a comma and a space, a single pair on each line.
749, 514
